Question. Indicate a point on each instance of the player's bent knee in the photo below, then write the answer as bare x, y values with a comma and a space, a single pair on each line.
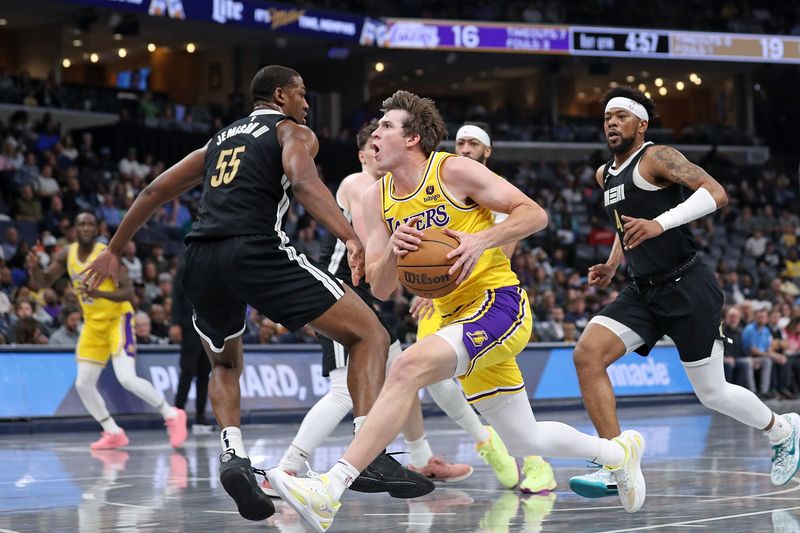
586, 359
128, 382
406, 369
82, 384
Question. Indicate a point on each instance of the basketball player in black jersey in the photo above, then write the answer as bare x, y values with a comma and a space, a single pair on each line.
673, 292
238, 254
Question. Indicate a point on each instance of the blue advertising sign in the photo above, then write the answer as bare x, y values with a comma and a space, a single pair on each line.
252, 13
40, 383
659, 373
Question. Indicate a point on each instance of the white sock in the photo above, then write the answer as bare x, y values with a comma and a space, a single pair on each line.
341, 476
110, 425
231, 439
357, 421
293, 459
420, 452
780, 429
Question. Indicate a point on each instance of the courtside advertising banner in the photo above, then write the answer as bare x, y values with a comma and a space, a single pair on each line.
38, 383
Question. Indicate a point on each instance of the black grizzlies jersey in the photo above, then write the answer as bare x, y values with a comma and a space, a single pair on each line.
625, 192
245, 191
333, 254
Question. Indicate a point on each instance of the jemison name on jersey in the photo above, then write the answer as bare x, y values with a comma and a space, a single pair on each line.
242, 128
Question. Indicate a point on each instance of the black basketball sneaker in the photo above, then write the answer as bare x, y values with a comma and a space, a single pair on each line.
385, 474
236, 476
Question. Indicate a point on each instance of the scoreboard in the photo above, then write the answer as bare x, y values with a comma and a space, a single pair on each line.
475, 36
434, 34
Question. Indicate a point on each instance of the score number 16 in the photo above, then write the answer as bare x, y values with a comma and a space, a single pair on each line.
466, 36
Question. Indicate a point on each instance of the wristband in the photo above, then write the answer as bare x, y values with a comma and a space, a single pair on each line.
699, 204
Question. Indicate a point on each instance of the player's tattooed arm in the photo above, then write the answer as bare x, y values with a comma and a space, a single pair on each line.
667, 163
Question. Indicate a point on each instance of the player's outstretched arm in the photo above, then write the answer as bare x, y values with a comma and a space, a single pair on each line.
176, 180
667, 164
56, 269
467, 178
299, 146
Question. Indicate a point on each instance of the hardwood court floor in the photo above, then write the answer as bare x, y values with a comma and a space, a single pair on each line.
704, 473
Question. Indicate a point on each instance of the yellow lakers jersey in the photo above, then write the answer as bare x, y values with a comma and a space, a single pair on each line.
94, 308
434, 206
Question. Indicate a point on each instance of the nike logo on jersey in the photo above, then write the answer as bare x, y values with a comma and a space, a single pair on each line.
614, 194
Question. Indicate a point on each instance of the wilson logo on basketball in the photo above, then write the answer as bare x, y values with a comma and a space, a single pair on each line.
424, 279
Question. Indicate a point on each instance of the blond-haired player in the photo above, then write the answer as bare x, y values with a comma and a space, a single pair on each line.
486, 319
473, 141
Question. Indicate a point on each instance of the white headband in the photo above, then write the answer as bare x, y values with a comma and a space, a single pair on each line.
475, 132
629, 105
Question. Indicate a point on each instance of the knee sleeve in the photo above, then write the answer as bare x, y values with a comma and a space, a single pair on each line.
395, 349
87, 376
340, 394
325, 415
125, 370
447, 395
86, 386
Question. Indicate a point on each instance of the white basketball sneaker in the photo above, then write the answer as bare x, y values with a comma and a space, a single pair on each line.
786, 453
630, 481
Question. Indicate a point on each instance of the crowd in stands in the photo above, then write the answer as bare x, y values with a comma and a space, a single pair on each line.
47, 177
146, 107
157, 111
739, 16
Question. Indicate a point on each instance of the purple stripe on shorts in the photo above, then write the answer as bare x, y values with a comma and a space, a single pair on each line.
130, 339
502, 318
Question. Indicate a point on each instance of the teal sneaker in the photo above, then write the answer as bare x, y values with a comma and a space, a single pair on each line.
598, 484
786, 453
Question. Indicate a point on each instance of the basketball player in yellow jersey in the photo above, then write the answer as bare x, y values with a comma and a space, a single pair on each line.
107, 333
473, 141
486, 320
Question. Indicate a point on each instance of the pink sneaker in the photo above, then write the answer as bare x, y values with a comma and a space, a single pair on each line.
438, 470
110, 441
176, 428
269, 491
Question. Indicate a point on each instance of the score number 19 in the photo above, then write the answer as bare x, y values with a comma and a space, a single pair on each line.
771, 47
466, 36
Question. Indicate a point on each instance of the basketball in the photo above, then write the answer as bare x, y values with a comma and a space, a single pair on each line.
424, 272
